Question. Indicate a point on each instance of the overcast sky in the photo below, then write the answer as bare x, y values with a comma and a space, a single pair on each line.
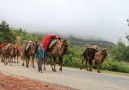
103, 19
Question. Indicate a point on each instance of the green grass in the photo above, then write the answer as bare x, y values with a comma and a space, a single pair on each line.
115, 73
106, 72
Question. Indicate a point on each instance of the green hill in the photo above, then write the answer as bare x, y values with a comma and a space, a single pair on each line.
81, 42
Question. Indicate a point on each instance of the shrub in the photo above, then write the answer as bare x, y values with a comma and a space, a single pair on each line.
114, 66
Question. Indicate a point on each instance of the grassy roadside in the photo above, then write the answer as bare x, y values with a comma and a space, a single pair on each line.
104, 72
115, 73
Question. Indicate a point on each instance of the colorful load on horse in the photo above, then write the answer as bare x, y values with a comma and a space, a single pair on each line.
49, 38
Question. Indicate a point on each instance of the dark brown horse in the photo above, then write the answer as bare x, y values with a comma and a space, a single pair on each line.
58, 51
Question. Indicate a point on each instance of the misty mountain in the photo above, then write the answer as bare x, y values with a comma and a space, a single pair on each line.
78, 41
81, 42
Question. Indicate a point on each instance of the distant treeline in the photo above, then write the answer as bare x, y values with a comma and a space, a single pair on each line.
12, 35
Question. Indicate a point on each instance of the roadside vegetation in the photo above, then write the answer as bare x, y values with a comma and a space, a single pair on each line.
117, 60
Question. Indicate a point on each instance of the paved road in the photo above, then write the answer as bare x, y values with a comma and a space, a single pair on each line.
74, 78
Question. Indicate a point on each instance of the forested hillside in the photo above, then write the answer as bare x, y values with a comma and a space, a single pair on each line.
81, 42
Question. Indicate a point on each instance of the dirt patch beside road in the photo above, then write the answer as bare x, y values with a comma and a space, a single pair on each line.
13, 82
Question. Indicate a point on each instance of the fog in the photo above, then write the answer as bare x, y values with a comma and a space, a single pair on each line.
96, 19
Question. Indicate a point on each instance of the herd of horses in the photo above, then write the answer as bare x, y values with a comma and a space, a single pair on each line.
10, 52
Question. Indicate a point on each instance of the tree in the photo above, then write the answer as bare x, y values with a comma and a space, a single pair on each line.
6, 34
4, 27
127, 36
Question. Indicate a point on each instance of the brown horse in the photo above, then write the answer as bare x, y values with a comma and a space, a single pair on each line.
58, 51
29, 50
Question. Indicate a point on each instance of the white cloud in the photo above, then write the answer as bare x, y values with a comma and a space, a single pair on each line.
104, 19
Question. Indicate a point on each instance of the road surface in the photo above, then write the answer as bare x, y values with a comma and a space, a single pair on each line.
75, 78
